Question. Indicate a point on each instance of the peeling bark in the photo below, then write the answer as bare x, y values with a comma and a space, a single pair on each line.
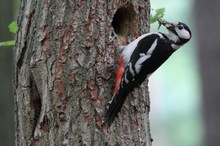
64, 76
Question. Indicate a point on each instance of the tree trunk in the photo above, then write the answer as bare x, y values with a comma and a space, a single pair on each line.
207, 25
65, 64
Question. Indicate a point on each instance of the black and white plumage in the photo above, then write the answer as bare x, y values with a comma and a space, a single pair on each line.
141, 58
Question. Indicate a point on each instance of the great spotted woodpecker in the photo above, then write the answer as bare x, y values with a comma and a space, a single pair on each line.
139, 59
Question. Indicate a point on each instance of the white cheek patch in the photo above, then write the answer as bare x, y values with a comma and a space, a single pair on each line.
184, 34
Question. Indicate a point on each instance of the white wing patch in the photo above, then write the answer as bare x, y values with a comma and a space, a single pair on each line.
144, 57
126, 80
131, 70
129, 49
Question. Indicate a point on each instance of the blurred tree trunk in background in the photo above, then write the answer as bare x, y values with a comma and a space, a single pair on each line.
6, 93
65, 64
207, 23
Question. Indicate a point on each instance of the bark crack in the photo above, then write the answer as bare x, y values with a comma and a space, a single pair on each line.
35, 102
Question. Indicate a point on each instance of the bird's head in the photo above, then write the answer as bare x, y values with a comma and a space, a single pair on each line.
179, 32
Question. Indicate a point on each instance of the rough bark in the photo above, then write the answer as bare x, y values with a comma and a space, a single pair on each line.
207, 25
65, 64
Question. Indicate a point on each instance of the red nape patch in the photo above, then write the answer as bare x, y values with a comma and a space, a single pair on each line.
119, 73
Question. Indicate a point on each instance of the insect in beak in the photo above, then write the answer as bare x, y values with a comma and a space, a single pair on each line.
165, 23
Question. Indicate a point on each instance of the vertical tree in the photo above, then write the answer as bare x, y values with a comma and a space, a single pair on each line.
64, 72
207, 25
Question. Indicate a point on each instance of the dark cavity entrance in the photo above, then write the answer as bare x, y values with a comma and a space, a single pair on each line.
123, 20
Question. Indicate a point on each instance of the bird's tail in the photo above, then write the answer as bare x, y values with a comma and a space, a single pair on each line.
114, 107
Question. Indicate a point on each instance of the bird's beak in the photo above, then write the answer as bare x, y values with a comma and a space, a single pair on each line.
170, 26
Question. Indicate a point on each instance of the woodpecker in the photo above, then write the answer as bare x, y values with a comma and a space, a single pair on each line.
139, 59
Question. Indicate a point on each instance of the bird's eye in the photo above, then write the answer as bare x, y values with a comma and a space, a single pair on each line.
180, 27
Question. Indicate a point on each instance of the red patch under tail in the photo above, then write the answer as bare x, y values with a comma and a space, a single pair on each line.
119, 73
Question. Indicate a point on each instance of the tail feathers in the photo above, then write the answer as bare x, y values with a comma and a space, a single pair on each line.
114, 108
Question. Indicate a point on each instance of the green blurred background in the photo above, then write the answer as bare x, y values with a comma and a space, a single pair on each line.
179, 115
8, 13
175, 115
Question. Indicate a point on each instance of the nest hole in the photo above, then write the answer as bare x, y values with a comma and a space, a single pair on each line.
123, 21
